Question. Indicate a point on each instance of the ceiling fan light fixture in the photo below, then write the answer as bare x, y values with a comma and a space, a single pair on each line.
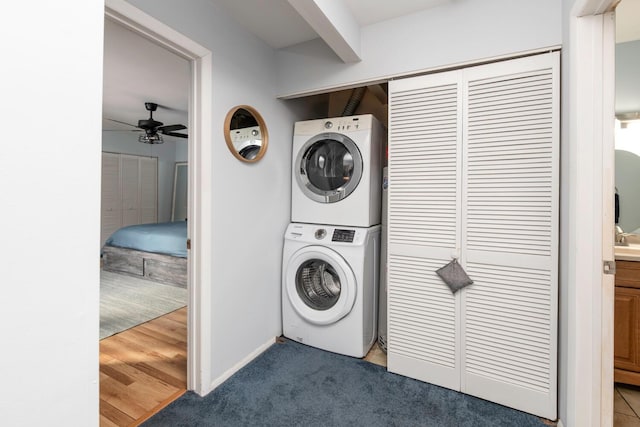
146, 138
626, 118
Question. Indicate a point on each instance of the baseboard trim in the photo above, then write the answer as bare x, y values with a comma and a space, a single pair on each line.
241, 364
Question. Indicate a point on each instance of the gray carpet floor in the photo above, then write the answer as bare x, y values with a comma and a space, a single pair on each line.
127, 301
291, 384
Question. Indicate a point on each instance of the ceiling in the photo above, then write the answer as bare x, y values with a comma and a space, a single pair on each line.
279, 24
628, 21
137, 70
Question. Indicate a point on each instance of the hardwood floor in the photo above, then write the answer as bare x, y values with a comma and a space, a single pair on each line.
143, 369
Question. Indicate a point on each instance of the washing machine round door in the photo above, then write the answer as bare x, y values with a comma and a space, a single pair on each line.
320, 285
329, 167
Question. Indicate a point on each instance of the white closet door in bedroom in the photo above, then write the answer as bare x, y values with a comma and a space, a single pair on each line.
111, 205
473, 174
129, 191
148, 190
129, 173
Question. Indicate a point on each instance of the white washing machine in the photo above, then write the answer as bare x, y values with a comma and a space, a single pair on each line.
337, 171
330, 287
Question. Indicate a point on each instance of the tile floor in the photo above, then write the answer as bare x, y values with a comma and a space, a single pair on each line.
626, 406
376, 355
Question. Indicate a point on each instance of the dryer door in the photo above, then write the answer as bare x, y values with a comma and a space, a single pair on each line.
320, 285
329, 167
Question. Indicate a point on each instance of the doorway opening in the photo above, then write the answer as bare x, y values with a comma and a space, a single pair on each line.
626, 352
198, 157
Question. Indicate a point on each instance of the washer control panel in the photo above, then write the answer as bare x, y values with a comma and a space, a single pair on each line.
344, 236
330, 235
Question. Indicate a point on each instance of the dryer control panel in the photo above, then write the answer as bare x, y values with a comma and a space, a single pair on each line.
246, 136
334, 124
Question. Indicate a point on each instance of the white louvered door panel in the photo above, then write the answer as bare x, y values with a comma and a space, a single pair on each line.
423, 232
510, 233
111, 204
148, 190
129, 171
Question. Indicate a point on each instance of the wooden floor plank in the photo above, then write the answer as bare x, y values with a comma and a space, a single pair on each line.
179, 315
137, 378
159, 333
166, 349
139, 343
117, 395
142, 356
143, 369
168, 328
107, 368
158, 408
113, 416
176, 377
106, 422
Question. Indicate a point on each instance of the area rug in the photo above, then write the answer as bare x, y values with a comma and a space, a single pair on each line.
291, 384
127, 301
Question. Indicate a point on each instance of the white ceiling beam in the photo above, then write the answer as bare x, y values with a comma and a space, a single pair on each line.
334, 23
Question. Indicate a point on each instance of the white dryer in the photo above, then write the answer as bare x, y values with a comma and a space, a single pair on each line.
330, 287
337, 171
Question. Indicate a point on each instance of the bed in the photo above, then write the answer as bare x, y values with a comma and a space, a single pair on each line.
156, 252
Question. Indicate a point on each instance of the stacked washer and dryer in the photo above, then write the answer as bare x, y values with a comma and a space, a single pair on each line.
331, 251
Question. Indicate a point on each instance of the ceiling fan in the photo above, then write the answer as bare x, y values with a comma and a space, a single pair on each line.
153, 128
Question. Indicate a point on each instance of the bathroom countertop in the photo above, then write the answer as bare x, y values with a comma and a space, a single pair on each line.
628, 253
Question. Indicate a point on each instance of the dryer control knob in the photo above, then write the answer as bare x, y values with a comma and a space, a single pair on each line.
320, 233
328, 125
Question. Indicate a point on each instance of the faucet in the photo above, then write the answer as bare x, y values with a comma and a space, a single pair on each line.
621, 237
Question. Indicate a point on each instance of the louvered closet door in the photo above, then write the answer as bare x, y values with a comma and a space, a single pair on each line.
473, 173
111, 204
510, 233
148, 190
129, 170
423, 227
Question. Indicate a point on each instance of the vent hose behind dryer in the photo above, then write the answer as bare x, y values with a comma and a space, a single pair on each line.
354, 100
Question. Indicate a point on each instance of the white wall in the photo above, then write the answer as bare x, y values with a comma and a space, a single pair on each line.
251, 202
455, 32
182, 151
167, 153
627, 80
563, 303
50, 184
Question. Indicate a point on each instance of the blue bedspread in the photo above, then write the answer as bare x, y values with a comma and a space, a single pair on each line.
169, 238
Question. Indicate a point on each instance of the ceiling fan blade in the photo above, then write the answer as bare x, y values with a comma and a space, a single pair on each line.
179, 135
171, 128
124, 123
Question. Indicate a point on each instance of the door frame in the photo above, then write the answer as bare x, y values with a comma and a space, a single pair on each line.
590, 293
200, 179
